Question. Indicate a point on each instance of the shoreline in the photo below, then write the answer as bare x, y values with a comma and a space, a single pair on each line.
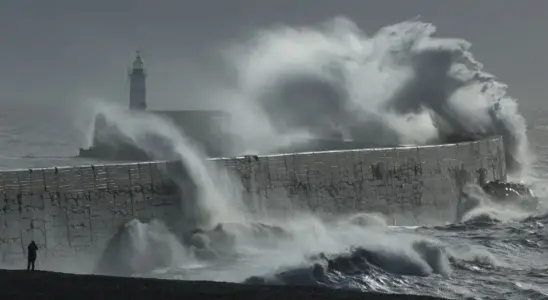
20, 284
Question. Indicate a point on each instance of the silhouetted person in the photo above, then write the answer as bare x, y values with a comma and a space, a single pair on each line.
31, 255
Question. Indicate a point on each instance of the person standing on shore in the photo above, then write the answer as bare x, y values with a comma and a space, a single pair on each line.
31, 255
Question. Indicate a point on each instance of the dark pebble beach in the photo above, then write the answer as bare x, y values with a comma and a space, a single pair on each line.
17, 284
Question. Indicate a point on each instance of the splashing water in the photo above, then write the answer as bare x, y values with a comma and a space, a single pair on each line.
400, 85
161, 139
241, 245
478, 206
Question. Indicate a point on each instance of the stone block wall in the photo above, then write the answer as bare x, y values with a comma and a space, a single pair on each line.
77, 209
411, 185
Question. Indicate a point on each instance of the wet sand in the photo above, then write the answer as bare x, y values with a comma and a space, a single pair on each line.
16, 284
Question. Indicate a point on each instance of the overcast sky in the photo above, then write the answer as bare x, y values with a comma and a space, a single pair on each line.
55, 51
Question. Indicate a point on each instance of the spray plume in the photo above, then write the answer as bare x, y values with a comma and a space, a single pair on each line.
401, 85
162, 140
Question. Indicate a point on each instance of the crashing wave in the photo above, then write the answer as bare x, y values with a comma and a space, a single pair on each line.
510, 192
496, 201
139, 247
401, 85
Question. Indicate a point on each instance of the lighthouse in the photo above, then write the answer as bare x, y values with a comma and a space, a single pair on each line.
137, 85
204, 127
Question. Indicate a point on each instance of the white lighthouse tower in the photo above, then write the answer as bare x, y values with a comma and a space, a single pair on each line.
137, 85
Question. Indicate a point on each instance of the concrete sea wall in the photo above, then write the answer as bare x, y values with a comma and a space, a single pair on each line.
409, 184
77, 209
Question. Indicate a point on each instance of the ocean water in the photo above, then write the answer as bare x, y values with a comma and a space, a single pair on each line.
385, 86
37, 135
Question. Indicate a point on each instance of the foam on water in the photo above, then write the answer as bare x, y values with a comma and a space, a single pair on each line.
236, 246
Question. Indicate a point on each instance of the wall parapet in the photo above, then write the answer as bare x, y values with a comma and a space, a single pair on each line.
84, 178
409, 184
153, 174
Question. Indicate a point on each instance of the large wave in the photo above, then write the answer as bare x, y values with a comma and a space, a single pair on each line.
401, 85
219, 238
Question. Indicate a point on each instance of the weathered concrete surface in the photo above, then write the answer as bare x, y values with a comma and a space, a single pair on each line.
409, 184
67, 210
75, 209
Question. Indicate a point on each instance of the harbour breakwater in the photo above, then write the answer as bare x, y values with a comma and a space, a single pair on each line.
70, 210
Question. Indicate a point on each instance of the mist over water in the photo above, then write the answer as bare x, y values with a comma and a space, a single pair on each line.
398, 86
